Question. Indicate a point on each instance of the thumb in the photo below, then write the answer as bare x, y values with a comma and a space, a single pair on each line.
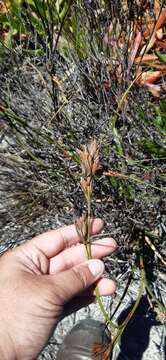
73, 281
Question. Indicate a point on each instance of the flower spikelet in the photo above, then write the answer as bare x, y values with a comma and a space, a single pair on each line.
89, 160
82, 227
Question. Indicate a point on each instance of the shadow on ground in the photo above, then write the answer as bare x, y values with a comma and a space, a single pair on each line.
136, 337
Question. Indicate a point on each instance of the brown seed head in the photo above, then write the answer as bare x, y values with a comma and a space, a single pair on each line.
89, 159
82, 227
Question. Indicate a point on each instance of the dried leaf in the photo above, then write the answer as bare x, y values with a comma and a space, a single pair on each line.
154, 89
157, 8
115, 173
160, 22
149, 77
146, 59
58, 81
152, 60
160, 44
134, 50
159, 66
102, 349
159, 34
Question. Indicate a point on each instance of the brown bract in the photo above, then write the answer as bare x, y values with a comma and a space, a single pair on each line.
89, 159
82, 227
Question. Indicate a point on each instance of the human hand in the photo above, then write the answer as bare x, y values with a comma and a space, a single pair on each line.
43, 280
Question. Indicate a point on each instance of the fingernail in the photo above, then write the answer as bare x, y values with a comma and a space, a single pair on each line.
96, 267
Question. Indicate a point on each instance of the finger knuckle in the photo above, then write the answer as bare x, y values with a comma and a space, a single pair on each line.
80, 276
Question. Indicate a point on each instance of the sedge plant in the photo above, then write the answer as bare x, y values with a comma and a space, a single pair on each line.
89, 161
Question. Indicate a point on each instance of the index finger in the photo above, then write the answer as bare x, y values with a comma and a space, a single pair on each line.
54, 241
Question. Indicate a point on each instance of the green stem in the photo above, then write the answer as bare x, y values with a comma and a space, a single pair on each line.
140, 181
130, 278
130, 315
116, 115
106, 316
89, 228
161, 306
89, 256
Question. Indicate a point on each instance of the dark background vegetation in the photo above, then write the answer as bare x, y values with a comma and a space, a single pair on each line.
60, 86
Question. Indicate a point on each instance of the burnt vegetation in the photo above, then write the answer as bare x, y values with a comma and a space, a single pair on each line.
68, 75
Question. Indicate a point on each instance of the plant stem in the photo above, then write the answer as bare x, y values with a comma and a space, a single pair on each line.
148, 289
131, 313
106, 316
89, 227
130, 279
89, 256
116, 115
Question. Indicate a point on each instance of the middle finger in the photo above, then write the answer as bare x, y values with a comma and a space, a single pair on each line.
77, 254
